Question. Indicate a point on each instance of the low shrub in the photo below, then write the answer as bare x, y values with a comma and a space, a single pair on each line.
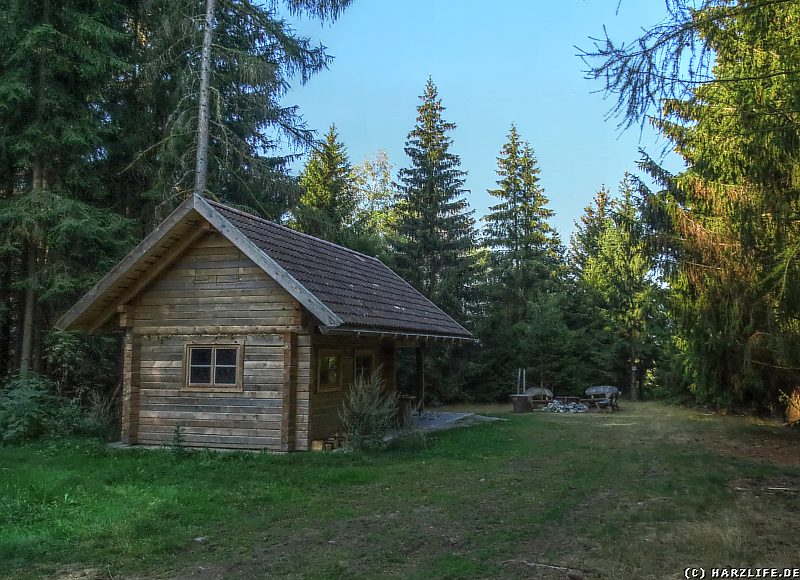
29, 410
368, 411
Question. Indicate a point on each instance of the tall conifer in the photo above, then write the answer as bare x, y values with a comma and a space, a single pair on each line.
328, 204
525, 247
58, 58
523, 325
435, 229
586, 239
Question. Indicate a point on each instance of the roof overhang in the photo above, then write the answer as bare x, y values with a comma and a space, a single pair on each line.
396, 334
163, 246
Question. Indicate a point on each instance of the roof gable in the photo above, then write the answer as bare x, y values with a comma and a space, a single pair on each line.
341, 288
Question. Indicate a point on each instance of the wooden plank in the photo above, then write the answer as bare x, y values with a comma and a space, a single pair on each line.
130, 381
243, 401
209, 430
213, 330
264, 340
153, 374
218, 445
192, 270
210, 407
266, 394
191, 440
272, 318
159, 296
268, 425
197, 415
236, 261
202, 297
233, 309
177, 341
217, 242
184, 284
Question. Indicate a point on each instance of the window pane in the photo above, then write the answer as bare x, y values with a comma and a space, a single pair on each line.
200, 375
225, 375
200, 356
328, 369
363, 366
226, 357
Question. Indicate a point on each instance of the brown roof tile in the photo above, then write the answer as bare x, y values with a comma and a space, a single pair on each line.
360, 289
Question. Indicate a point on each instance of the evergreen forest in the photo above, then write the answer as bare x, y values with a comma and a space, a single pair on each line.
687, 291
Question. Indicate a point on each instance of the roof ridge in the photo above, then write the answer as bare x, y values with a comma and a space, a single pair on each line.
287, 228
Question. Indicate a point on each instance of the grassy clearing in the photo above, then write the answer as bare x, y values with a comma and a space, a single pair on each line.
637, 494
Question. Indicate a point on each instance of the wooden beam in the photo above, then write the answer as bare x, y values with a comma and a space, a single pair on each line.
130, 388
210, 330
289, 409
404, 335
126, 315
420, 378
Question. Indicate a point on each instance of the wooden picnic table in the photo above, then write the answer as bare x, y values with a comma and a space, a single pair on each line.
602, 397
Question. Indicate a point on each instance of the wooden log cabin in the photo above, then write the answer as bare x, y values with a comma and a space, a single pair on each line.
246, 334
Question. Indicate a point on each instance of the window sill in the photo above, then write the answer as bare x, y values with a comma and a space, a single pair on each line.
212, 389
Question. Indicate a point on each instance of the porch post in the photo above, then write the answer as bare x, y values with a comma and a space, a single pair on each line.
420, 376
289, 402
130, 388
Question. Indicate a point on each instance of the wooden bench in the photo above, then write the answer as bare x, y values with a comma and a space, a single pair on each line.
539, 396
603, 397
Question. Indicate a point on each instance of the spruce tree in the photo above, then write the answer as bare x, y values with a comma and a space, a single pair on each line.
525, 247
584, 243
327, 205
58, 60
435, 238
523, 322
719, 80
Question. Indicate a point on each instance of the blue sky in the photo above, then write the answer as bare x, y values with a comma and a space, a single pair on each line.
494, 63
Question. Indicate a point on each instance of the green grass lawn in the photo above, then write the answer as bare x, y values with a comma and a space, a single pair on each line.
641, 493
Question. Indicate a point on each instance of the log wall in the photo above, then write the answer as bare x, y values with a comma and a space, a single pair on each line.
325, 405
215, 295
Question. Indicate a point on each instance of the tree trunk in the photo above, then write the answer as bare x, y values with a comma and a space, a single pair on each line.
201, 169
634, 381
793, 406
37, 183
26, 353
5, 322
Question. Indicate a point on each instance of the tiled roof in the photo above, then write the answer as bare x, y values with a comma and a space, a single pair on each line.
359, 289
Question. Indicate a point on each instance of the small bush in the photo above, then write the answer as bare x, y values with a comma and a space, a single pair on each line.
368, 412
29, 410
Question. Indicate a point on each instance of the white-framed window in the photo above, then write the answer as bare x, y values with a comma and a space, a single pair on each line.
329, 370
213, 366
